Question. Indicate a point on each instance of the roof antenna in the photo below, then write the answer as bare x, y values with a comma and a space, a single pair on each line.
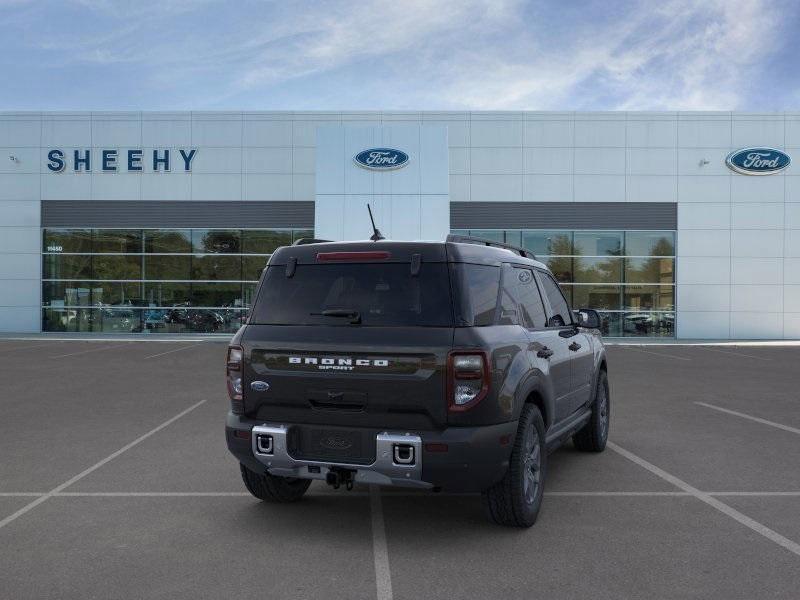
377, 235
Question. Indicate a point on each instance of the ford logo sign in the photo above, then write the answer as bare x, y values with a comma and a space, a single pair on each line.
758, 161
381, 159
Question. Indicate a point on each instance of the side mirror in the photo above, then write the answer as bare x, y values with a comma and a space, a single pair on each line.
588, 318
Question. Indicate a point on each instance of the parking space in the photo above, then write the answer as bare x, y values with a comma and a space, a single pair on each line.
123, 440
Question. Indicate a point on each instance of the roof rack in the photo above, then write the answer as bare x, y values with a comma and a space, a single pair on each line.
466, 239
304, 241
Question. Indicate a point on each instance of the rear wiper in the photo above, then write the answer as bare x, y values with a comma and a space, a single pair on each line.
345, 313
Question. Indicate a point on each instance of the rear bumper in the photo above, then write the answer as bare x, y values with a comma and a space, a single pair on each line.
464, 459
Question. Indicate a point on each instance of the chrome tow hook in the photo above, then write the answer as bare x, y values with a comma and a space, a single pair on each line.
403, 454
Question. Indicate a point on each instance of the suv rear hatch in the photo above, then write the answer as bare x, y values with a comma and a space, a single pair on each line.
352, 335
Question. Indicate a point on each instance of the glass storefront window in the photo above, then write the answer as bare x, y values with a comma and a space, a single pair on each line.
598, 297
226, 241
264, 242
168, 241
67, 266
161, 280
650, 243
598, 243
176, 267
217, 294
650, 270
117, 240
548, 243
216, 268
117, 266
649, 297
167, 293
598, 270
67, 240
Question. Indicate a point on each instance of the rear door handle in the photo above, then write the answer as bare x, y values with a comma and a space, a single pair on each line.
574, 346
545, 352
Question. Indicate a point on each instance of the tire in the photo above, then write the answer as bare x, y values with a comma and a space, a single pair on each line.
269, 488
594, 435
516, 499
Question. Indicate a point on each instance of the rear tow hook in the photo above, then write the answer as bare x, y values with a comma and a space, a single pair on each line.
337, 477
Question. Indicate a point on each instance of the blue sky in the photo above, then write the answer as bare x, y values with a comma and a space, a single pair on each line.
400, 54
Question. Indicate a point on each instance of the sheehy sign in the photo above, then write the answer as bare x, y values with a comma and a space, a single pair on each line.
112, 160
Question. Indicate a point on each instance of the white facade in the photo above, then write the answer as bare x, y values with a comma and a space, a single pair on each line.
738, 240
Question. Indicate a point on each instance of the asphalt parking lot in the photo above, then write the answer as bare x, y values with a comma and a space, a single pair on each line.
115, 483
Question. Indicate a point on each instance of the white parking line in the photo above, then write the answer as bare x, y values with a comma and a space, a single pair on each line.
656, 353
380, 551
30, 506
734, 514
756, 494
750, 418
171, 351
91, 350
152, 494
742, 354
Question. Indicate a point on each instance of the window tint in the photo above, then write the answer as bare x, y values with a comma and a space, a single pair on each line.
477, 287
560, 309
521, 285
382, 294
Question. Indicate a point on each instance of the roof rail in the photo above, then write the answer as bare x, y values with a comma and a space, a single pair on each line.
466, 239
304, 241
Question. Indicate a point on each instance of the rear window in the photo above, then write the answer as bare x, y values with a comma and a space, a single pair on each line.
383, 295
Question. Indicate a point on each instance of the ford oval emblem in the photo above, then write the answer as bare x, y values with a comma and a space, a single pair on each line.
758, 161
381, 159
259, 386
334, 442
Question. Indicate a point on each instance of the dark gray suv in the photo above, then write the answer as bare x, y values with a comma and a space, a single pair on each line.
455, 365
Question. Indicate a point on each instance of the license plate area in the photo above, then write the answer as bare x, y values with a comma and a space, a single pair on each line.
332, 444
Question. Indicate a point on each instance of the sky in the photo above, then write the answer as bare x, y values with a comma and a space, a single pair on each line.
400, 55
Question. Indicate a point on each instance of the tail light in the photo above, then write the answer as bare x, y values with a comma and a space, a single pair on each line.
467, 378
233, 371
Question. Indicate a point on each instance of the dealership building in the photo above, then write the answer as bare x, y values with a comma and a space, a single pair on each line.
672, 224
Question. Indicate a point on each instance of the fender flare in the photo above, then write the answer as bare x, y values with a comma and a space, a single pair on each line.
535, 382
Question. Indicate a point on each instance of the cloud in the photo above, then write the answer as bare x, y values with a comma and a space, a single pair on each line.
448, 54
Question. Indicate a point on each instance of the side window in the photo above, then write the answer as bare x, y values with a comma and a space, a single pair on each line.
509, 312
529, 299
561, 315
477, 290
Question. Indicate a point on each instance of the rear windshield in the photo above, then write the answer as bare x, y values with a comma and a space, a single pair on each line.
383, 295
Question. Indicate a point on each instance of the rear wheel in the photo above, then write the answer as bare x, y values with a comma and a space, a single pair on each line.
273, 489
594, 435
516, 499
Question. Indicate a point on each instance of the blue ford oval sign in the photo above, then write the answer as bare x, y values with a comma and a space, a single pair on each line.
758, 161
381, 159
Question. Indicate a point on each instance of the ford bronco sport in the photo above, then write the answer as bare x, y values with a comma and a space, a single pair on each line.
452, 365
